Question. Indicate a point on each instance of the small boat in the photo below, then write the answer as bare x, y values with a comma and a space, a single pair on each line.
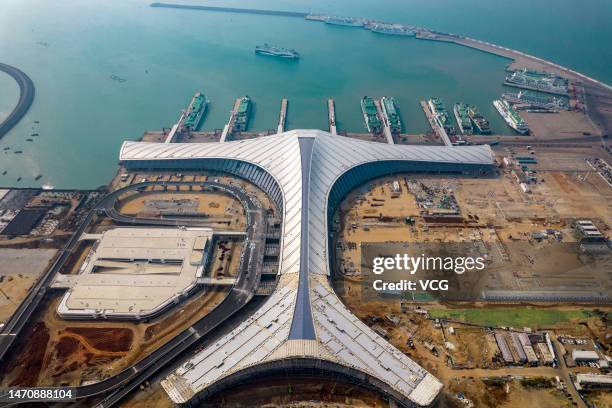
4, 173
38, 177
117, 78
29, 140
7, 148
18, 178
34, 134
18, 151
36, 121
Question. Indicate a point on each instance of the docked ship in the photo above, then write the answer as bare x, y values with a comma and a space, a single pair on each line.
395, 123
195, 111
460, 110
279, 52
481, 125
532, 99
440, 114
537, 81
343, 21
512, 118
241, 118
392, 29
370, 115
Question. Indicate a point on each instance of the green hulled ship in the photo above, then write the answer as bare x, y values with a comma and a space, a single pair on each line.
241, 119
370, 115
194, 113
463, 120
441, 115
395, 122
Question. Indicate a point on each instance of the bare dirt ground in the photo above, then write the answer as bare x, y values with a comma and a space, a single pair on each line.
24, 370
509, 395
600, 398
470, 347
226, 263
71, 352
19, 269
221, 210
153, 396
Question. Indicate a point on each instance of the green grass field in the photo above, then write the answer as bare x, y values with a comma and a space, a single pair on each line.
515, 317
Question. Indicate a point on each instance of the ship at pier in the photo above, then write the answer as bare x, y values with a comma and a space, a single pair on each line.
391, 29
370, 115
395, 123
194, 113
460, 110
441, 115
512, 118
533, 100
537, 81
343, 21
242, 114
481, 124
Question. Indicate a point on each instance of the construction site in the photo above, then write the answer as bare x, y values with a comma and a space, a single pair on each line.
528, 238
501, 347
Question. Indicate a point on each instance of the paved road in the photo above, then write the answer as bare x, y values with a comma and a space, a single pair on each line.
565, 374
241, 293
26, 97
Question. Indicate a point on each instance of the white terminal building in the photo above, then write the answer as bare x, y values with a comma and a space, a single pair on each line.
135, 273
303, 326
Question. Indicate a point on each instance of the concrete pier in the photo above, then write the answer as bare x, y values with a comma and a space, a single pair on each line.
439, 130
227, 129
283, 116
171, 138
231, 10
382, 114
331, 112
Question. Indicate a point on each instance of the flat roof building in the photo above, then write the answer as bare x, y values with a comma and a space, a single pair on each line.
518, 348
503, 347
589, 232
528, 348
547, 356
304, 325
134, 273
585, 356
585, 381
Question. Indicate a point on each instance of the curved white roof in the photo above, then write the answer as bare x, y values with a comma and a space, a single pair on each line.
304, 308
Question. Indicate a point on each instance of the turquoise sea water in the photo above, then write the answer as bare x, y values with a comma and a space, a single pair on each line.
166, 55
